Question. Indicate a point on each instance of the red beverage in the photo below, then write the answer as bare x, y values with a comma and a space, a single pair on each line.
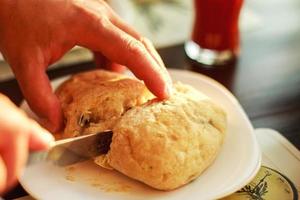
216, 27
216, 24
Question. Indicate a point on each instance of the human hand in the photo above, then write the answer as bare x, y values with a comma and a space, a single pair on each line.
17, 134
35, 34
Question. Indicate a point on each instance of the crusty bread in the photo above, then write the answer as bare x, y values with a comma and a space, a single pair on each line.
93, 101
167, 144
164, 144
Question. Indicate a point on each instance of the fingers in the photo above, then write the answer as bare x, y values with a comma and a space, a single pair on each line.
14, 154
121, 24
100, 60
37, 90
124, 49
3, 176
149, 46
39, 138
104, 63
17, 134
116, 67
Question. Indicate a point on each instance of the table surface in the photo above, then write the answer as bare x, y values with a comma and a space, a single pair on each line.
265, 79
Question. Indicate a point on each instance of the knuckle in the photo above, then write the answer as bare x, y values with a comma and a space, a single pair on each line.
103, 22
144, 40
135, 48
98, 24
96, 16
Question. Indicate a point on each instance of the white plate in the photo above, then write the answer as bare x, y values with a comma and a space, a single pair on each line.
237, 163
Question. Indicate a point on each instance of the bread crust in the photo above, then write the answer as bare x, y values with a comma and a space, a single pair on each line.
170, 143
93, 101
164, 144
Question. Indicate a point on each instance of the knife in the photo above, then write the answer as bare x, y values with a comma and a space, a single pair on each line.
70, 151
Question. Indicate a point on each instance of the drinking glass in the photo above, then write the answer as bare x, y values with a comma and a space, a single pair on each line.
215, 37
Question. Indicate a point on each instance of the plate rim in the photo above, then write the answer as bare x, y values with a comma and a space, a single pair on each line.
230, 96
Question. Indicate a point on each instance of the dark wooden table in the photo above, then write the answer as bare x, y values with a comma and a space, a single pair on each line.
265, 79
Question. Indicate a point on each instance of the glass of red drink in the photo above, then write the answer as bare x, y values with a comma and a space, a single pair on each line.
215, 37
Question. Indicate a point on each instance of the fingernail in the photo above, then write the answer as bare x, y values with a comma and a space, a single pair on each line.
169, 89
47, 138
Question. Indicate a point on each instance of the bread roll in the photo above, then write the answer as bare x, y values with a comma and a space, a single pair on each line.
168, 144
164, 144
93, 101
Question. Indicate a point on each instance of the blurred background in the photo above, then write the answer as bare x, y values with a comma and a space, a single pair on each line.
165, 22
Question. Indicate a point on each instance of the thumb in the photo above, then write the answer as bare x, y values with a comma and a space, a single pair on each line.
36, 88
39, 138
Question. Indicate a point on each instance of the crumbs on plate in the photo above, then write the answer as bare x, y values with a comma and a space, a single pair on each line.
95, 181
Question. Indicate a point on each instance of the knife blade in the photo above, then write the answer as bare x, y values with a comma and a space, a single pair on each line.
70, 151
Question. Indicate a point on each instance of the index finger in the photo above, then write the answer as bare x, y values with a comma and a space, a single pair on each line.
120, 47
117, 21
121, 24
